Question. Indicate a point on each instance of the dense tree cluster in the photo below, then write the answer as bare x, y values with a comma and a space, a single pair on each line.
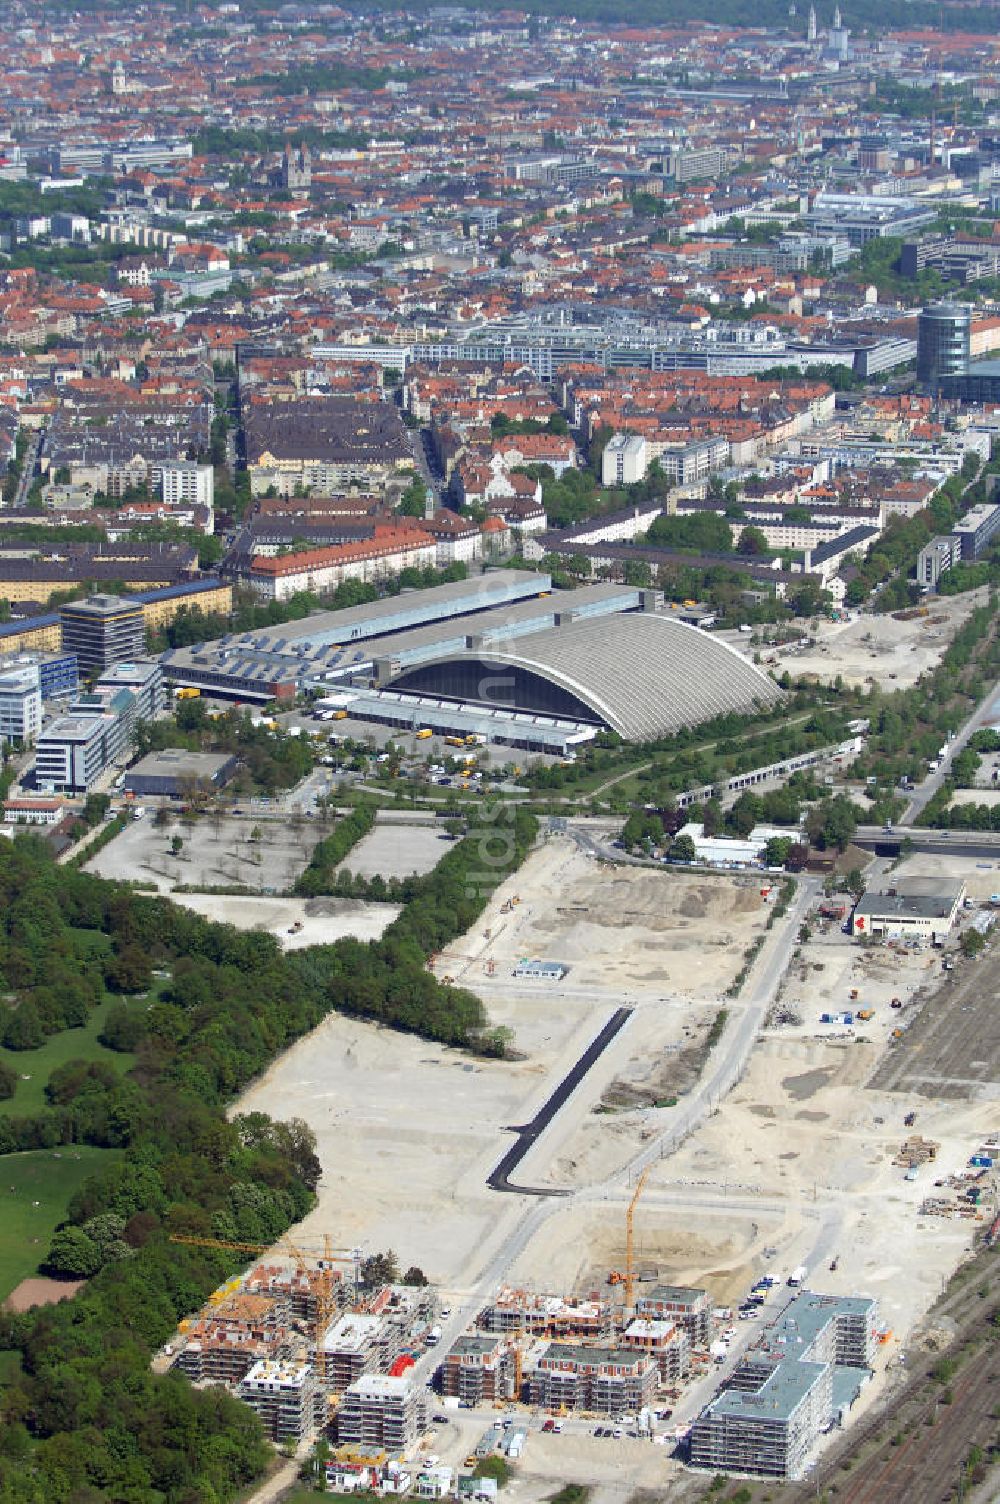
267, 760
699, 533
388, 980
87, 1420
909, 727
319, 876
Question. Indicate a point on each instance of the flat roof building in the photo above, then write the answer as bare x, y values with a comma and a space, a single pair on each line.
20, 703
797, 1381
144, 679
382, 1411
624, 460
936, 558
72, 753
919, 908
331, 645
611, 1380
286, 1397
977, 529
172, 773
691, 1307
103, 630
479, 1369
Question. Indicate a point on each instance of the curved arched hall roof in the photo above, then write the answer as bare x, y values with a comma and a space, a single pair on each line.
642, 674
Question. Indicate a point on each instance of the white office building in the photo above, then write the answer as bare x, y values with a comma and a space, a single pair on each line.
20, 703
74, 751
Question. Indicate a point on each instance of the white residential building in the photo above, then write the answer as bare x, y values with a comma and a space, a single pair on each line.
624, 460
33, 811
382, 1411
185, 481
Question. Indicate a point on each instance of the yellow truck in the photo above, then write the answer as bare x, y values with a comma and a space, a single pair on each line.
187, 692
424, 733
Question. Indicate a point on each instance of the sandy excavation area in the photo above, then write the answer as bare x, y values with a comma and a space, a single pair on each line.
707, 1247
407, 1133
295, 922
880, 648
648, 932
401, 1173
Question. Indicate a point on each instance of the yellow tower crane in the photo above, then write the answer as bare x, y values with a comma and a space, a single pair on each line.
322, 1263
630, 1242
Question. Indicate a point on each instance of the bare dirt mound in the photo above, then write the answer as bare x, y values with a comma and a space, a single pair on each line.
41, 1292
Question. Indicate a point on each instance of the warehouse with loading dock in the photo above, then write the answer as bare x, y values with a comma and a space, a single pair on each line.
915, 908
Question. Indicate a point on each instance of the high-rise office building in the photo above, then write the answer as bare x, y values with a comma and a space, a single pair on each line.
103, 630
943, 335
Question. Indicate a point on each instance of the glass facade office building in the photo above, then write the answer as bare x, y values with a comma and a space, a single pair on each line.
943, 332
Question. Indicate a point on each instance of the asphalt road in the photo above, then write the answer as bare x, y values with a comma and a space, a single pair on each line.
987, 710
981, 843
530, 1132
28, 472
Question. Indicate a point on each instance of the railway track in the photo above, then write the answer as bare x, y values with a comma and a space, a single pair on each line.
934, 1436
923, 1466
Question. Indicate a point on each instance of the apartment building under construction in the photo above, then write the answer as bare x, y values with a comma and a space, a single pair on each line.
606, 1380
230, 1338
667, 1342
799, 1380
520, 1310
480, 1369
381, 1410
286, 1396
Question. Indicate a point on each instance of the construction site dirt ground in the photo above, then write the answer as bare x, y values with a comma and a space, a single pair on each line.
621, 931
890, 652
400, 1173
794, 1166
295, 922
215, 853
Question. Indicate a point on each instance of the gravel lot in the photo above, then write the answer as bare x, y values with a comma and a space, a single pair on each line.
878, 648
215, 853
395, 850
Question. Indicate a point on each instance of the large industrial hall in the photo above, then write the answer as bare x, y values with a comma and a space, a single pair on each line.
640, 674
501, 658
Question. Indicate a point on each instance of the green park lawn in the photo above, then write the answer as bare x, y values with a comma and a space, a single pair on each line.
48, 1177
71, 1044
